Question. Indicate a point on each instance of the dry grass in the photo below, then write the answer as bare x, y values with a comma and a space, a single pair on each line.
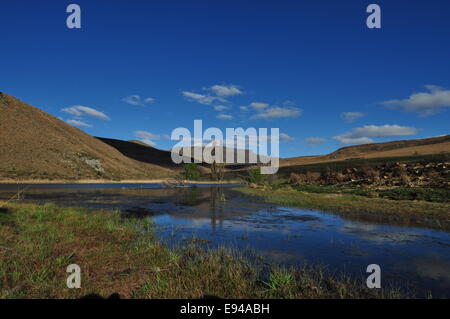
36, 145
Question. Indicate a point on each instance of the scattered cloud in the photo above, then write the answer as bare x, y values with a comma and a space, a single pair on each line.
285, 137
351, 117
278, 112
221, 107
80, 111
312, 141
423, 103
225, 90
216, 93
201, 98
259, 106
364, 134
137, 100
243, 108
147, 137
353, 140
223, 116
78, 123
148, 142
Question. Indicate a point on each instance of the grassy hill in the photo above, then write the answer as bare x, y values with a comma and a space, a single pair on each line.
406, 148
36, 145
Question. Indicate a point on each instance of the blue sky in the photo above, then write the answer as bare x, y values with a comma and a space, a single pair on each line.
139, 69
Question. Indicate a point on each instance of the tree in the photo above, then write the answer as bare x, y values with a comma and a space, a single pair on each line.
190, 171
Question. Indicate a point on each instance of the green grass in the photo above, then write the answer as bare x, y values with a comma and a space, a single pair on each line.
38, 242
400, 212
438, 195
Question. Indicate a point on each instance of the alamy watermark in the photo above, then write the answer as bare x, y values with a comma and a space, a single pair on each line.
73, 21
236, 146
374, 279
74, 279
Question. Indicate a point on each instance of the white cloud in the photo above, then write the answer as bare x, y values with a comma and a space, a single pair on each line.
225, 90
278, 112
216, 93
223, 116
259, 106
79, 111
136, 100
243, 108
350, 117
78, 123
353, 140
285, 137
148, 142
147, 135
165, 137
201, 98
221, 107
423, 103
364, 134
314, 140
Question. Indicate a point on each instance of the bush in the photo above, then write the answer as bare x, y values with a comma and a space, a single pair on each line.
255, 177
190, 171
426, 194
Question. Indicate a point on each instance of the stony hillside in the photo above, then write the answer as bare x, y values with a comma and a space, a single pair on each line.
36, 145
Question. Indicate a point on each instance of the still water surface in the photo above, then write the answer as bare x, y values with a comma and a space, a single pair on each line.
416, 258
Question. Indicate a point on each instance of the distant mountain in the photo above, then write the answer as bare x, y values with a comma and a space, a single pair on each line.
434, 145
36, 145
143, 152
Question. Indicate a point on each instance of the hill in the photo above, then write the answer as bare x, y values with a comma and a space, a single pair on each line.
434, 145
36, 145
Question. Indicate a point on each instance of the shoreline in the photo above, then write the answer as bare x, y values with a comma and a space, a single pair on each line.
378, 210
104, 181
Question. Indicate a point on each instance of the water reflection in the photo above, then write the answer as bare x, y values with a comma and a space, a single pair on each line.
416, 257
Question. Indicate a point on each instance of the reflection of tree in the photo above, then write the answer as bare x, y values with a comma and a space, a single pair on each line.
217, 196
189, 196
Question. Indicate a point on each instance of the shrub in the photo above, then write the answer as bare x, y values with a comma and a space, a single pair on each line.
190, 171
414, 193
255, 177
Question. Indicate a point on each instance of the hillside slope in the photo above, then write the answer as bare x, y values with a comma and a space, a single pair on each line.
434, 145
141, 152
36, 145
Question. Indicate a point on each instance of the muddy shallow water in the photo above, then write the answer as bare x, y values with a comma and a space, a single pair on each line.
416, 258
